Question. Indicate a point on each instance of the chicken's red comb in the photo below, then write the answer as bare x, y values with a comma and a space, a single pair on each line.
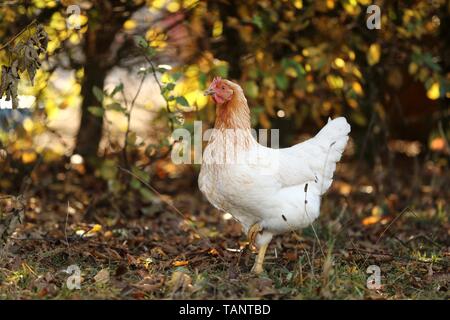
216, 81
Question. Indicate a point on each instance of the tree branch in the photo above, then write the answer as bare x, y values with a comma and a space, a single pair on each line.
17, 35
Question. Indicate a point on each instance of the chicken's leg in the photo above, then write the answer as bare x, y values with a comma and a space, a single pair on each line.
252, 233
258, 266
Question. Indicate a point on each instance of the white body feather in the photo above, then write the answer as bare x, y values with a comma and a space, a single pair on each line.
267, 186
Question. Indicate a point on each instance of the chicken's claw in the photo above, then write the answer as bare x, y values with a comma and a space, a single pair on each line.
252, 233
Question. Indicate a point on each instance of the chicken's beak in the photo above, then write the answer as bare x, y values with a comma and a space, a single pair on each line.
209, 92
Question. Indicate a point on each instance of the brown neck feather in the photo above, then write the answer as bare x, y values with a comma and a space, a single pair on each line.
234, 114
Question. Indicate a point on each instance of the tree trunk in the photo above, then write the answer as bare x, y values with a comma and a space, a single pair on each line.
98, 39
231, 39
91, 126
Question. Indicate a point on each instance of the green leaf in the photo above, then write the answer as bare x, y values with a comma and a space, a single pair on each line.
183, 101
430, 62
116, 107
98, 93
221, 71
170, 86
359, 119
176, 75
289, 63
141, 42
281, 81
151, 52
131, 139
163, 69
143, 175
135, 184
108, 169
251, 89
202, 79
96, 111
118, 88
146, 194
258, 21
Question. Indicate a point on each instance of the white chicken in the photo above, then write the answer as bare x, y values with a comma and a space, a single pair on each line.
269, 191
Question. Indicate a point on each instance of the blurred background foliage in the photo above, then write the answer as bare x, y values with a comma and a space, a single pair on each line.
299, 62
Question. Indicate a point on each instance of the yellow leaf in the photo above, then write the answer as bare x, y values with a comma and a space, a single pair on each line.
158, 4
340, 63
129, 25
28, 157
298, 4
412, 68
173, 6
330, 4
28, 125
357, 88
433, 92
202, 101
377, 211
217, 29
335, 82
374, 54
96, 228
74, 38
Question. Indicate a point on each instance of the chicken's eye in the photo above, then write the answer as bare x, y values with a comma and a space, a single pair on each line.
223, 88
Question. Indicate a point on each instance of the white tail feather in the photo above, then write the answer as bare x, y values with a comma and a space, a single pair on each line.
331, 142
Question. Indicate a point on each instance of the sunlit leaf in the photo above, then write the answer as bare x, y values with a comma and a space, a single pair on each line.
98, 93
115, 106
29, 157
182, 101
251, 89
130, 24
433, 92
374, 54
96, 111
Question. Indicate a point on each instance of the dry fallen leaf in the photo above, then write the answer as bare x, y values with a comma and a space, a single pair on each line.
179, 281
102, 276
213, 252
371, 220
180, 263
95, 229
150, 284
